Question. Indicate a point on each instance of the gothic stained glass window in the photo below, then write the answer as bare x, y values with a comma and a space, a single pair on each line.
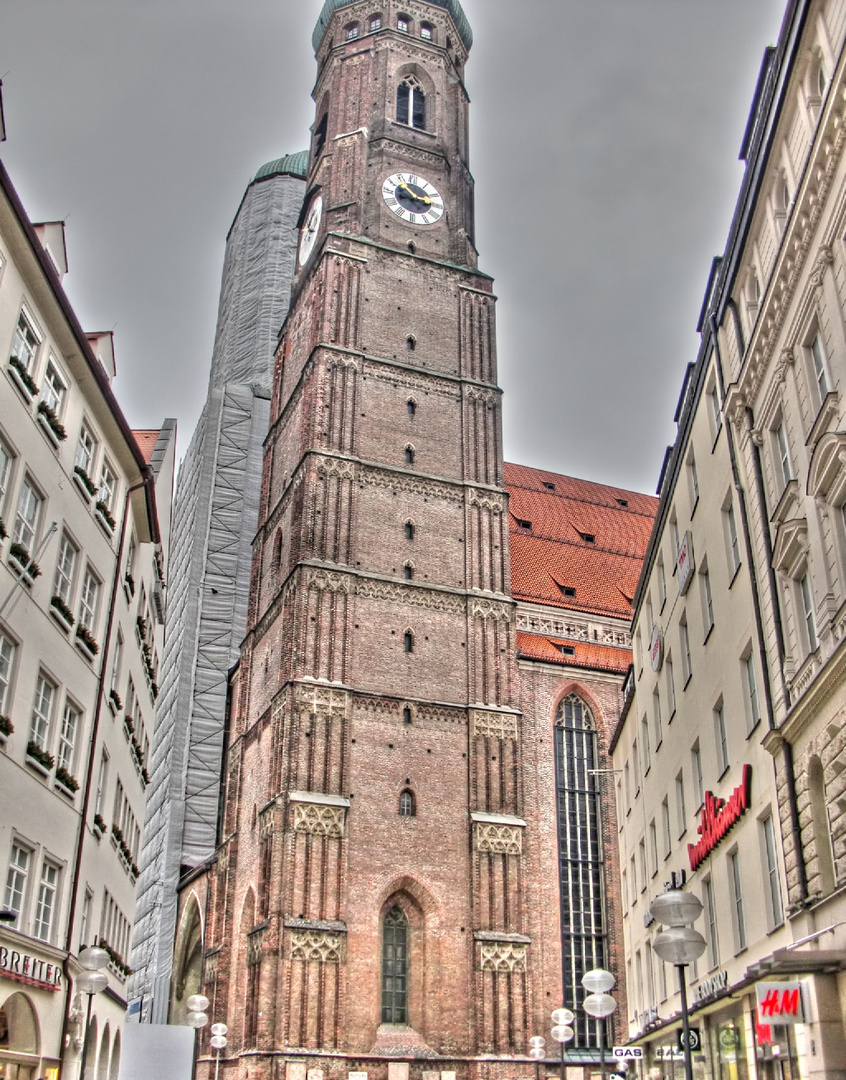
580, 857
395, 968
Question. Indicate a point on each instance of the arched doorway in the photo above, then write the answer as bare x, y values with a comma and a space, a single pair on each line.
103, 1060
18, 1036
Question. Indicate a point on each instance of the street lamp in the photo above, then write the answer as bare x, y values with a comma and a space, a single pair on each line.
91, 981
537, 1052
218, 1043
599, 1004
679, 944
197, 1018
561, 1031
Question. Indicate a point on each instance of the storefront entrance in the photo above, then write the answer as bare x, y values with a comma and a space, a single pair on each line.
19, 1049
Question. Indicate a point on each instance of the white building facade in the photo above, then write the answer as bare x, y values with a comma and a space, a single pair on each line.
84, 507
744, 660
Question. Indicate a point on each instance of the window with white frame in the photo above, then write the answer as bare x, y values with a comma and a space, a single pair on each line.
7, 660
808, 616
352, 32
721, 736
636, 766
666, 826
71, 716
693, 482
102, 780
732, 540
85, 919
53, 389
716, 411
785, 467
819, 363
117, 662
26, 341
108, 486
644, 876
42, 711
88, 600
656, 716
47, 902
653, 847
753, 704
426, 31
696, 763
739, 914
707, 599
770, 851
86, 448
17, 876
633, 880
674, 539
27, 515
403, 24
6, 458
645, 747
680, 803
662, 583
671, 686
711, 918
375, 23
65, 569
684, 638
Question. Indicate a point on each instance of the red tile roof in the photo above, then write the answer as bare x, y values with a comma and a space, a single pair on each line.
553, 555
147, 440
598, 657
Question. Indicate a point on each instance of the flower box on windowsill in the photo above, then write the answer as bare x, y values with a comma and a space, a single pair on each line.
84, 482
22, 379
104, 518
64, 787
62, 613
114, 702
3, 533
6, 729
54, 430
20, 559
129, 586
128, 727
99, 825
39, 759
86, 643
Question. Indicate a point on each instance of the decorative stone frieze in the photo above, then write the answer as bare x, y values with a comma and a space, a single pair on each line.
324, 581
487, 500
490, 609
409, 595
494, 724
503, 956
415, 485
429, 384
319, 820
320, 700
498, 839
332, 466
318, 946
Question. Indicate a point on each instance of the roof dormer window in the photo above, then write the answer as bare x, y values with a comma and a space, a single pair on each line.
588, 538
523, 524
567, 650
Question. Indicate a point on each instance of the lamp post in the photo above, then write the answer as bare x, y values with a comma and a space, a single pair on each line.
537, 1052
599, 1004
561, 1031
679, 944
218, 1042
197, 1018
91, 981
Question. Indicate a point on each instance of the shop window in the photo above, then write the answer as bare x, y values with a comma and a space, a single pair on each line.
18, 1026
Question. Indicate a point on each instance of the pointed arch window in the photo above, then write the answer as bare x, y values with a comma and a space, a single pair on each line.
395, 967
411, 103
408, 641
580, 856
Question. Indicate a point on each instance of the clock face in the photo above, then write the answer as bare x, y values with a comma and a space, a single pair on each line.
412, 199
310, 229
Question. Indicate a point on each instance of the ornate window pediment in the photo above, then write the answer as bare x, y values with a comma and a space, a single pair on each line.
791, 547
788, 505
827, 474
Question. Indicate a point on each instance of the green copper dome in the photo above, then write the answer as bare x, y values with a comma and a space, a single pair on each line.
452, 6
292, 164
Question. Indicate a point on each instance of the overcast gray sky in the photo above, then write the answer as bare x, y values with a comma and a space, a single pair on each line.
604, 147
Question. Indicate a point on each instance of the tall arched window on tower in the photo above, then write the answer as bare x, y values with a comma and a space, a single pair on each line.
411, 103
395, 967
580, 856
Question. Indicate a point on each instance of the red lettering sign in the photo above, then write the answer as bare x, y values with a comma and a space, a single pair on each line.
718, 817
780, 1003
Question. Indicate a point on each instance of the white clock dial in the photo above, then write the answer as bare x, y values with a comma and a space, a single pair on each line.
310, 229
412, 199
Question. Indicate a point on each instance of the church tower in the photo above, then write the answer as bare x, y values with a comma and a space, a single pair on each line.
369, 905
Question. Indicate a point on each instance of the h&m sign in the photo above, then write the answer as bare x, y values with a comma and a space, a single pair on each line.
780, 1003
22, 967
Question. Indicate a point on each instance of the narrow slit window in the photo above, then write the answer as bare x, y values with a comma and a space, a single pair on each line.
412, 408
408, 641
409, 455
409, 530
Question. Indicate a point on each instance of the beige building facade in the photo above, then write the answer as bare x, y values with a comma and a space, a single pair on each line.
84, 518
746, 655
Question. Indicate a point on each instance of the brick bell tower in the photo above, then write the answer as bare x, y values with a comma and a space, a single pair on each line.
369, 907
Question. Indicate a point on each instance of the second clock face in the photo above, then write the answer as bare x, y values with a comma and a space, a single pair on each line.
412, 199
